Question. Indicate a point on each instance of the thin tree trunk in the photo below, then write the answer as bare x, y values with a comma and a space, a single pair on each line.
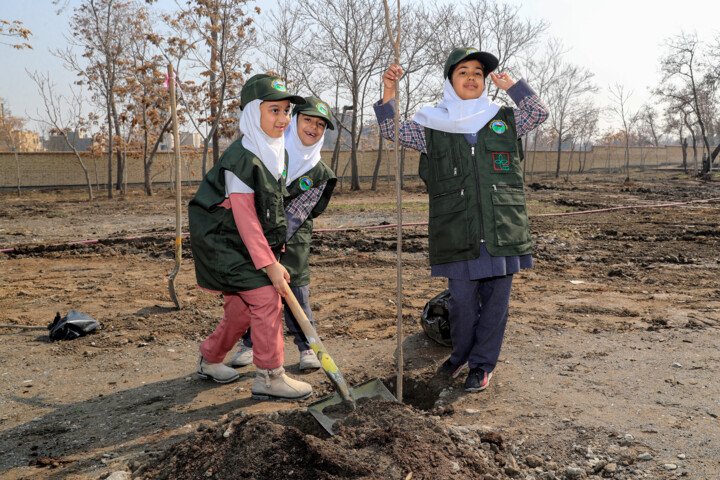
354, 175
118, 153
151, 158
559, 153
110, 153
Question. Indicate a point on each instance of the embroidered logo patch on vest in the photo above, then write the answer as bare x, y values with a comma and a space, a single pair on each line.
279, 85
322, 108
498, 126
305, 183
501, 161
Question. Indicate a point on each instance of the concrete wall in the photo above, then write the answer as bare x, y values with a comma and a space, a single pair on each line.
62, 169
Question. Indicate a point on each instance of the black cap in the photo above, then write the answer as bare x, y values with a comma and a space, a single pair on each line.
315, 107
488, 60
266, 87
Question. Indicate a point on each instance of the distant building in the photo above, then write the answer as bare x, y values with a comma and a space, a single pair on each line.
23, 142
56, 143
29, 142
187, 139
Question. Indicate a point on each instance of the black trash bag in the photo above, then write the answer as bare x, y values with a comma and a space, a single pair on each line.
435, 319
73, 325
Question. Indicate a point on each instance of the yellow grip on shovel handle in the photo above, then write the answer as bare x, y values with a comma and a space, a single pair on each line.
328, 365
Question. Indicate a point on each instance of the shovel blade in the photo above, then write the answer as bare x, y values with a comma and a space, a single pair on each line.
331, 409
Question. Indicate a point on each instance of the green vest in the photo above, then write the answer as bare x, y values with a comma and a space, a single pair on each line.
222, 261
476, 193
296, 258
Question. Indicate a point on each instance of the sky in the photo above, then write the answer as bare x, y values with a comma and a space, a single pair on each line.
620, 41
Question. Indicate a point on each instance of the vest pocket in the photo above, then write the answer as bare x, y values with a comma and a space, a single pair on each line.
448, 226
445, 164
272, 219
510, 215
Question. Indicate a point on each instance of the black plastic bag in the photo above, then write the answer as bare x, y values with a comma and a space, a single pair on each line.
435, 319
73, 325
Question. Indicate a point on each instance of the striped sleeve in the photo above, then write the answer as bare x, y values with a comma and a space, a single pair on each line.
412, 134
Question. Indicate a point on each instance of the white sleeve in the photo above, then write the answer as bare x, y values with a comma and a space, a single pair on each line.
234, 185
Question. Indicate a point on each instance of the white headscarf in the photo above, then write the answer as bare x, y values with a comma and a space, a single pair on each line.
270, 151
455, 115
301, 158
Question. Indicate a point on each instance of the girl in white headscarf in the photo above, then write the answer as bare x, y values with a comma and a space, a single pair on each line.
237, 233
310, 184
478, 230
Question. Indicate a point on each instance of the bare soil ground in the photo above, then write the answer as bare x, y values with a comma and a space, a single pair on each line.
609, 370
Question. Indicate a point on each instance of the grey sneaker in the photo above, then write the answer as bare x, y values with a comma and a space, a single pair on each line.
219, 372
244, 356
309, 361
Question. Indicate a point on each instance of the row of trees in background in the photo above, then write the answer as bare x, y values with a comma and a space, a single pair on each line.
338, 49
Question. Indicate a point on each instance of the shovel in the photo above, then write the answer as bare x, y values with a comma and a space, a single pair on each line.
329, 410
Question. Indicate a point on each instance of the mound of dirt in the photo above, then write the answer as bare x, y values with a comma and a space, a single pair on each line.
378, 440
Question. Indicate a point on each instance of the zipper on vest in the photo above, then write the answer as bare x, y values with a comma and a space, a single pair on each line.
267, 214
477, 189
510, 187
445, 194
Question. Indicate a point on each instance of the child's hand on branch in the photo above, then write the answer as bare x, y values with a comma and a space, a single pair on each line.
394, 72
277, 273
502, 80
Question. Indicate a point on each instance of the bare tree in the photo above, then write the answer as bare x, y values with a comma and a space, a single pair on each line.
100, 28
220, 33
682, 63
587, 126
563, 101
679, 116
620, 108
147, 111
352, 39
283, 36
540, 70
63, 115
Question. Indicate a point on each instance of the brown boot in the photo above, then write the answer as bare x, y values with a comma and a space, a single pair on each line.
274, 384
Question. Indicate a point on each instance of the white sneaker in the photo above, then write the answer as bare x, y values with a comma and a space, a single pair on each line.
219, 372
309, 361
274, 384
244, 356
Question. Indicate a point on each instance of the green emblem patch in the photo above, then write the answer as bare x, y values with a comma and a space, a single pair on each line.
322, 108
279, 85
305, 183
470, 50
498, 126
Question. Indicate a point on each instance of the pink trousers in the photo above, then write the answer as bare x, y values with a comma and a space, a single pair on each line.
260, 309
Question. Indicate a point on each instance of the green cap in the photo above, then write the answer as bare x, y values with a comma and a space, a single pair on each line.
488, 60
315, 107
266, 87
